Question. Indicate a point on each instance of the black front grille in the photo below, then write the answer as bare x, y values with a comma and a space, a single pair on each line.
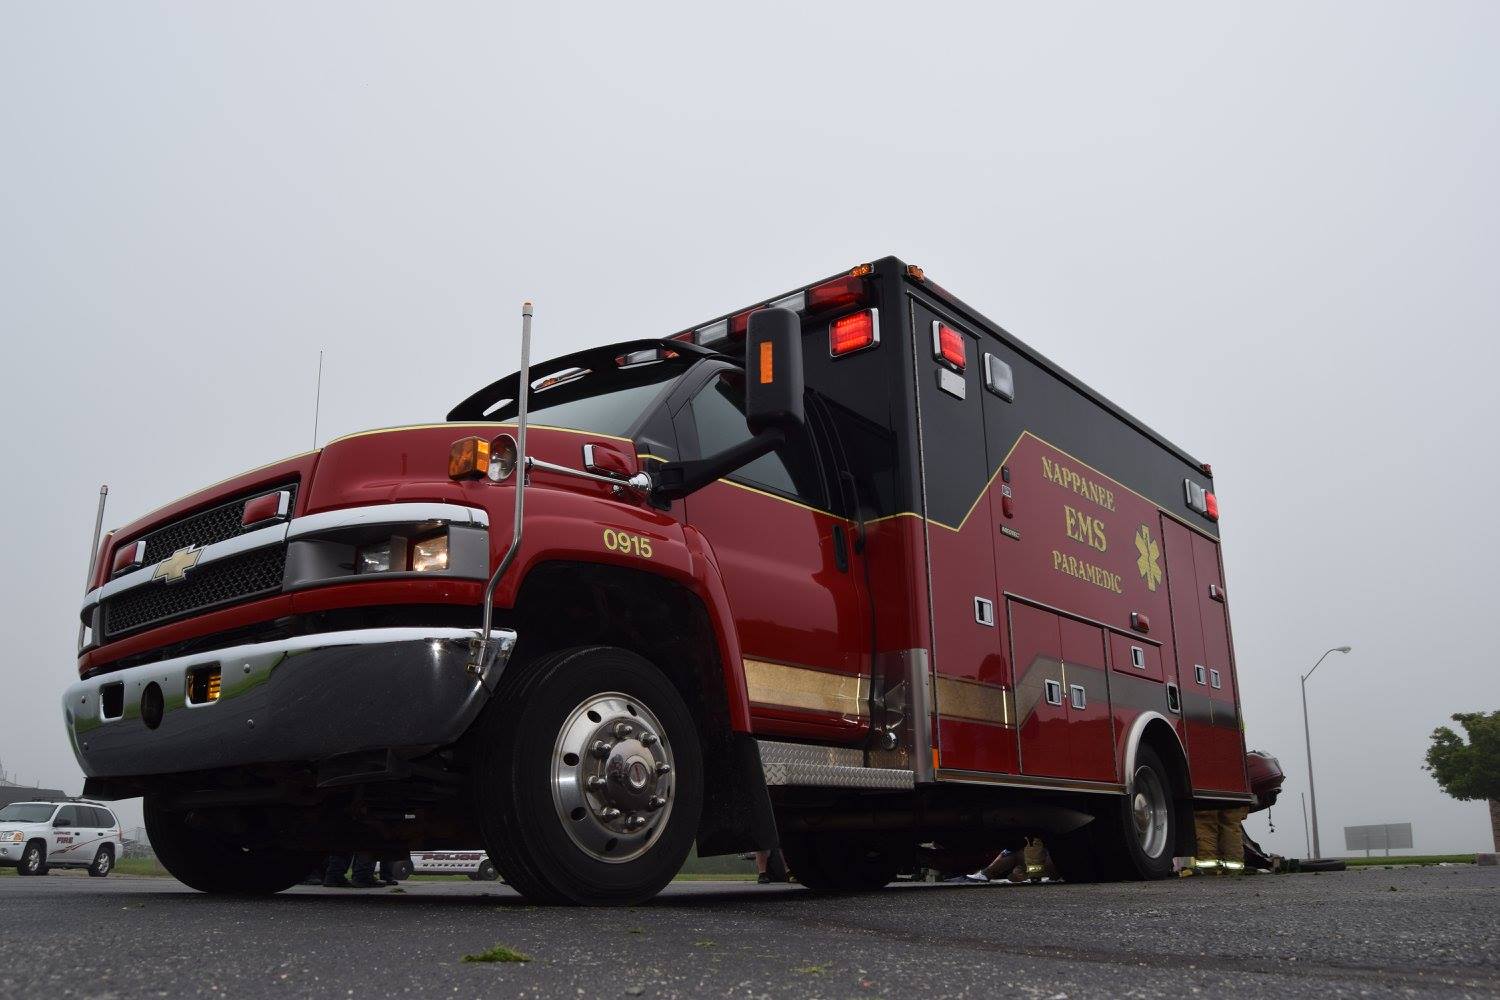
237, 578
205, 527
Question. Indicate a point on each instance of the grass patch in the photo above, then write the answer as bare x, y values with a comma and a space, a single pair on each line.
1410, 859
140, 866
499, 953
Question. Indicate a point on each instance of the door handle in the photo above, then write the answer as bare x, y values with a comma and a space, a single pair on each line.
840, 549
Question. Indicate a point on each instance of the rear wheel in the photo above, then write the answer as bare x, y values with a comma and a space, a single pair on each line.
826, 862
204, 860
34, 860
485, 872
588, 778
1133, 839
103, 863
1136, 841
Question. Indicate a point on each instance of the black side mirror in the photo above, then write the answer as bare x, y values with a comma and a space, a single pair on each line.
773, 371
60, 821
773, 405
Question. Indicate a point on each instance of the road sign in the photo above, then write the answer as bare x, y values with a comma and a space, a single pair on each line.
1381, 836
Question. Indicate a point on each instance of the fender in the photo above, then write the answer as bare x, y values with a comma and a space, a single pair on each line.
1133, 742
563, 524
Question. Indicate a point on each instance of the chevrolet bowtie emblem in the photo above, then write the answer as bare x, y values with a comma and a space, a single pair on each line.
174, 568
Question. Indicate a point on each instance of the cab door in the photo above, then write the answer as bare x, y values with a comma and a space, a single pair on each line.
788, 566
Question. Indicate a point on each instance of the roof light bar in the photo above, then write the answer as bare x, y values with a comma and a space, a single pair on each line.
840, 293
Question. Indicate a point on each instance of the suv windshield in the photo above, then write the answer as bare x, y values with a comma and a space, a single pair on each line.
27, 812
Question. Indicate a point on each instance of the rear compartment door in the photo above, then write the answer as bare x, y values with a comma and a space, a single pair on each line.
971, 678
1200, 632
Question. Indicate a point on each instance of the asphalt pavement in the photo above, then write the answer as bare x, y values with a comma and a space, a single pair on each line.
1374, 932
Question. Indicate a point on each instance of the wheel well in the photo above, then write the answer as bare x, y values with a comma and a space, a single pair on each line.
565, 604
1160, 737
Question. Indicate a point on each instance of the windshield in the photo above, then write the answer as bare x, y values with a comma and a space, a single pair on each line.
27, 812
602, 402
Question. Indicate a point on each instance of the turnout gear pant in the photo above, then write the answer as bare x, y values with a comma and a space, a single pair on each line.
1221, 841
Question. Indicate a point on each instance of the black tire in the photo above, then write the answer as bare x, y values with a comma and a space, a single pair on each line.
204, 860
485, 872
1120, 846
33, 859
401, 870
103, 863
843, 863
526, 831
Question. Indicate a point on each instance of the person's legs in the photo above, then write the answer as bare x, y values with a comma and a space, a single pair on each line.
364, 871
1231, 845
333, 871
1002, 866
1206, 829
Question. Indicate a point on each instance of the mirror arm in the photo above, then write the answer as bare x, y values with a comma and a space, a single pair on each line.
676, 480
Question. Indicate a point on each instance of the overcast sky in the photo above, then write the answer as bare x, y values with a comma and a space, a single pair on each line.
1268, 230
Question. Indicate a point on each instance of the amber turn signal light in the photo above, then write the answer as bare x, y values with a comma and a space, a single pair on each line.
469, 458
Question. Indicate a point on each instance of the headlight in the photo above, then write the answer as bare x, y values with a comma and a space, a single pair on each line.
374, 558
14, 836
431, 554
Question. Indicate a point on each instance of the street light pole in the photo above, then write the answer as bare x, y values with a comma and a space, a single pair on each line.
1312, 792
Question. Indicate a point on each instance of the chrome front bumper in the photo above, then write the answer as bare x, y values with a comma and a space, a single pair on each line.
300, 699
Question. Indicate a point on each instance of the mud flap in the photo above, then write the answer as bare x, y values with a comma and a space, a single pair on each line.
737, 812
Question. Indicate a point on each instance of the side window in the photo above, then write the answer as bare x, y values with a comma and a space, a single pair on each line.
107, 819
95, 817
66, 816
719, 416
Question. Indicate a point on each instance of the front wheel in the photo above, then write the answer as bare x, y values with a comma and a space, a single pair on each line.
33, 860
103, 863
588, 778
206, 861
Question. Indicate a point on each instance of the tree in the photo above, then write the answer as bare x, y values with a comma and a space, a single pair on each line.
1470, 770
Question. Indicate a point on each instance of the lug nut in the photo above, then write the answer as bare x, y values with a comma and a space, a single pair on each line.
648, 739
609, 814
623, 730
601, 749
663, 768
594, 783
635, 822
655, 802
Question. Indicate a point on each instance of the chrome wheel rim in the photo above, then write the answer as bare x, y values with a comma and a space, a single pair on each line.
612, 776
1149, 811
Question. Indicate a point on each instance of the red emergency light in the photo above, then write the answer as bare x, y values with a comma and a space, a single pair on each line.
840, 293
1211, 506
854, 332
948, 346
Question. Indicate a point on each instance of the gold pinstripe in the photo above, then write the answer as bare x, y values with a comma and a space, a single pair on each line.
791, 686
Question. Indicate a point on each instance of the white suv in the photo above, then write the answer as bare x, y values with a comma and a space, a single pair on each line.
35, 836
